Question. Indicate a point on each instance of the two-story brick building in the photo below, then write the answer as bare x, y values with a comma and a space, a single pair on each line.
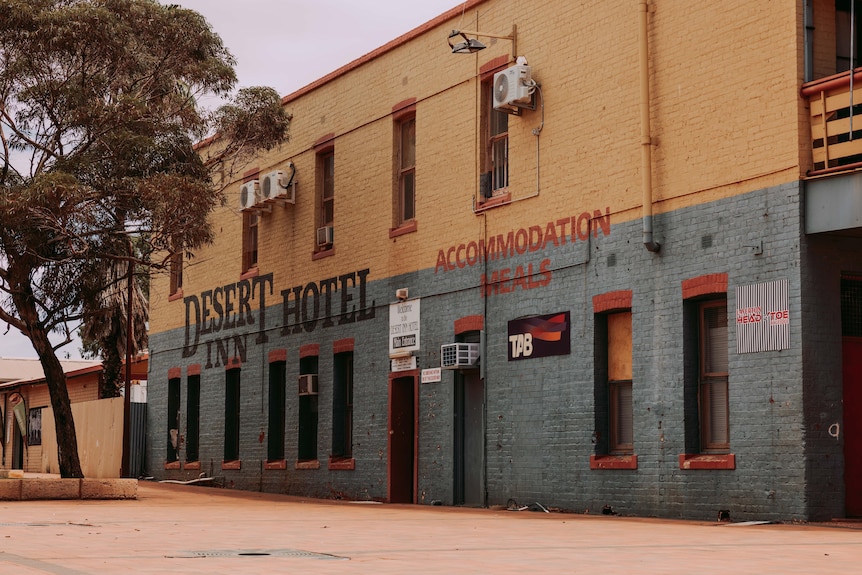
629, 234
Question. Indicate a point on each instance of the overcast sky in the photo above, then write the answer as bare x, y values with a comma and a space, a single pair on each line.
287, 44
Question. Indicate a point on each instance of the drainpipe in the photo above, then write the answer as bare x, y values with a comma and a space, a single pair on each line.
646, 140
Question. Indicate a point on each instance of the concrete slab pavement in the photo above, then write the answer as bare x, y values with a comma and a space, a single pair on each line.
203, 530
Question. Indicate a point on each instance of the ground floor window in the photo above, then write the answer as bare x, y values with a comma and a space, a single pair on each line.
307, 440
173, 439
342, 405
231, 415
275, 435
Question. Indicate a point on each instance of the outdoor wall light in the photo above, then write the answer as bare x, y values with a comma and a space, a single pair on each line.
472, 45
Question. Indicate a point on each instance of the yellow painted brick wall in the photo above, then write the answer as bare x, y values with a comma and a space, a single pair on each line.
725, 110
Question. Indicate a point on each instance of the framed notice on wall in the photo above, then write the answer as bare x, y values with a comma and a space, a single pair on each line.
34, 431
762, 317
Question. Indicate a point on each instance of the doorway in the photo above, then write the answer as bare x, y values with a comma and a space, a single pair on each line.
851, 350
469, 457
403, 438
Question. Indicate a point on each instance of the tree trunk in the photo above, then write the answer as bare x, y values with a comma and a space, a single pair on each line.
67, 440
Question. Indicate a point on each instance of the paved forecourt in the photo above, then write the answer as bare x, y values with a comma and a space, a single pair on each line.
193, 529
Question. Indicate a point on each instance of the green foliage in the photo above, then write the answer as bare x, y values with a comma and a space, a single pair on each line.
99, 117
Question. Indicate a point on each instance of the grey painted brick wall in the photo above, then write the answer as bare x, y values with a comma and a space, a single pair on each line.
540, 420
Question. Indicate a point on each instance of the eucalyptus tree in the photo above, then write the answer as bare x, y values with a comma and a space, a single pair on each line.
99, 115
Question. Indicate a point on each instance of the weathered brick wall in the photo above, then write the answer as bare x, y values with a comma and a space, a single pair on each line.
726, 141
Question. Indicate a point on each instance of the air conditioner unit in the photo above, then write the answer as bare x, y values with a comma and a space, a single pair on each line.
308, 384
248, 195
513, 87
458, 355
324, 236
274, 187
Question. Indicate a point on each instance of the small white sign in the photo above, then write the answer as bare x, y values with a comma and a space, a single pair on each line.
404, 363
432, 375
403, 327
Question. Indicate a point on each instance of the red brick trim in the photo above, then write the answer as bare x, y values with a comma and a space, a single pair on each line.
613, 461
323, 254
405, 228
172, 464
175, 373
313, 464
248, 274
233, 363
277, 464
277, 355
342, 464
324, 144
309, 349
704, 285
404, 109
707, 461
488, 69
614, 300
231, 465
192, 465
494, 202
176, 295
193, 369
469, 323
249, 175
343, 345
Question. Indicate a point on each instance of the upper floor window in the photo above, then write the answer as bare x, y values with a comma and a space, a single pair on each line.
847, 34
495, 158
250, 222
176, 268
325, 198
406, 188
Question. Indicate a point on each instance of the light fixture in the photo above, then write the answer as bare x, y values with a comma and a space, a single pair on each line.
472, 45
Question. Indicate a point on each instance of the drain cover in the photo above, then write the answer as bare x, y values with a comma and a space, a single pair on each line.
257, 553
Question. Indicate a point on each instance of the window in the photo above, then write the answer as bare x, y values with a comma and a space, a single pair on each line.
308, 413
193, 418
843, 27
250, 223
326, 197
231, 415
173, 440
275, 432
619, 342
176, 267
713, 391
342, 406
612, 384
496, 151
705, 374
406, 157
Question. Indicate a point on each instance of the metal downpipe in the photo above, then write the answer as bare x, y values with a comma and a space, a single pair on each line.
646, 139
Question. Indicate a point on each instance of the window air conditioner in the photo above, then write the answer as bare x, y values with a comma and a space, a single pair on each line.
274, 187
308, 384
248, 195
324, 236
513, 87
458, 355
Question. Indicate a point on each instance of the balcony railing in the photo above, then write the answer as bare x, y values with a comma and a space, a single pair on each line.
836, 122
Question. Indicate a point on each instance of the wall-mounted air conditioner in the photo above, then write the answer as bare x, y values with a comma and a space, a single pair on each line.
308, 384
513, 87
248, 195
458, 355
274, 186
324, 236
